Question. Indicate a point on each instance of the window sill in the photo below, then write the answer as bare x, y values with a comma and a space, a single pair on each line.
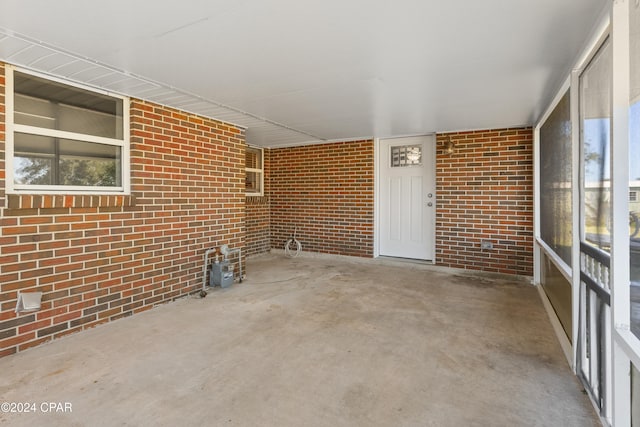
256, 200
57, 201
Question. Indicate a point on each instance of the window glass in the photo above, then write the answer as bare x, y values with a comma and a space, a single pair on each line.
253, 182
555, 180
253, 158
40, 160
65, 137
43, 103
595, 127
254, 171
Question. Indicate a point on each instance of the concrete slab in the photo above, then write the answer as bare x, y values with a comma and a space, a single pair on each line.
314, 341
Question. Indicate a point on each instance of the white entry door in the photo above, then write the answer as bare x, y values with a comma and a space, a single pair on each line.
407, 197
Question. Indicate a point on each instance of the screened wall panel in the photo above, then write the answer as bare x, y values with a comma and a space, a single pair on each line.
595, 130
558, 291
634, 171
555, 180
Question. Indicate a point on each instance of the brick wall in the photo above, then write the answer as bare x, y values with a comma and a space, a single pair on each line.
485, 192
258, 215
327, 191
101, 258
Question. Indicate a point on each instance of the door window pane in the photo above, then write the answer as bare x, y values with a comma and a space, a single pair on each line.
406, 155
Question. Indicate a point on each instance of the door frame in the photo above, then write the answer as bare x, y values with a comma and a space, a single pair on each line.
376, 183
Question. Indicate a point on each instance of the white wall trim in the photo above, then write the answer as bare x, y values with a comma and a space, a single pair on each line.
622, 351
376, 198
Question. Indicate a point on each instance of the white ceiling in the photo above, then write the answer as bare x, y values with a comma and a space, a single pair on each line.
295, 71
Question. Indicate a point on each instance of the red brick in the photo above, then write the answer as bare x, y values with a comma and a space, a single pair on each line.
492, 203
34, 326
181, 204
326, 186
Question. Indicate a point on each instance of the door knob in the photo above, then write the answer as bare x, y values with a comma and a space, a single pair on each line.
429, 204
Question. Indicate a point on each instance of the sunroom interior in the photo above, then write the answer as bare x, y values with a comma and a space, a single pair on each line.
298, 76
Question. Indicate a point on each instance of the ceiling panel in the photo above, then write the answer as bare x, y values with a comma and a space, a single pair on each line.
313, 71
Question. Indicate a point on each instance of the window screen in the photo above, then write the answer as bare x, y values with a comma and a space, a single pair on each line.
555, 180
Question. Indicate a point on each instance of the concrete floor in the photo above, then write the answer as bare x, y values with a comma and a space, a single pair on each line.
313, 341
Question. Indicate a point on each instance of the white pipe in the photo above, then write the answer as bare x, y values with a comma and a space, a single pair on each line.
239, 251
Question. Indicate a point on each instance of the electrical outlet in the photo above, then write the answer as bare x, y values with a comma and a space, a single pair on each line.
486, 244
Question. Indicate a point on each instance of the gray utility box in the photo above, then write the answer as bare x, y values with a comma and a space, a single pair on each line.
221, 274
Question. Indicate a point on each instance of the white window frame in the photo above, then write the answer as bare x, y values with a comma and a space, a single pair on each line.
11, 128
259, 171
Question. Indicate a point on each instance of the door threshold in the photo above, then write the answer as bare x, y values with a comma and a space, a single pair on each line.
406, 260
